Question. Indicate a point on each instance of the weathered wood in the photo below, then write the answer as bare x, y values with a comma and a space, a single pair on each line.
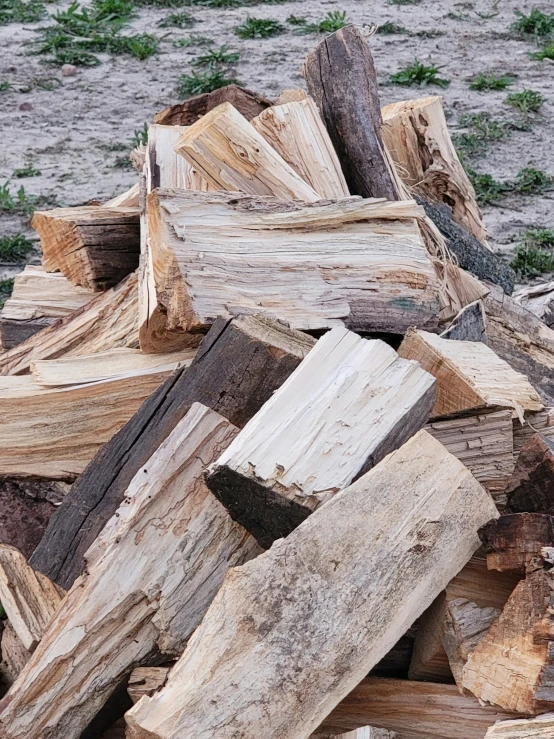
541, 422
150, 578
531, 487
108, 321
539, 299
128, 199
469, 375
368, 732
341, 78
357, 262
94, 246
14, 654
230, 154
416, 710
513, 541
396, 661
349, 404
469, 324
297, 133
541, 727
374, 556
146, 681
26, 506
512, 665
237, 368
248, 103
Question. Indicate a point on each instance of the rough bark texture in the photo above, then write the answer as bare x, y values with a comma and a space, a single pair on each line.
512, 542
238, 367
248, 103
531, 487
25, 508
469, 324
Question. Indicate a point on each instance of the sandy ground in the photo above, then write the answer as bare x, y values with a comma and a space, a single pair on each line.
67, 129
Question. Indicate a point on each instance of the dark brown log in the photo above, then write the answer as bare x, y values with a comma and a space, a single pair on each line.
13, 333
532, 485
469, 324
341, 78
249, 103
511, 542
238, 367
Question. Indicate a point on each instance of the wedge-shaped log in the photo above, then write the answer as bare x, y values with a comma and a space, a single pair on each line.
237, 368
296, 132
469, 324
469, 375
539, 299
92, 245
531, 487
150, 578
512, 665
541, 727
356, 262
38, 299
349, 404
512, 542
412, 519
230, 154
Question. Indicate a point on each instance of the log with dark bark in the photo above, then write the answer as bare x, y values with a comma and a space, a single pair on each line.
238, 367
249, 103
469, 324
512, 542
531, 487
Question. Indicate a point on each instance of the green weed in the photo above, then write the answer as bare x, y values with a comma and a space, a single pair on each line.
5, 86
177, 20
547, 52
258, 28
200, 82
216, 57
389, 28
535, 254
486, 81
527, 101
333, 21
140, 136
21, 202
487, 189
19, 11
122, 162
14, 249
6, 288
536, 23
483, 130
529, 181
193, 40
418, 74
29, 170
114, 146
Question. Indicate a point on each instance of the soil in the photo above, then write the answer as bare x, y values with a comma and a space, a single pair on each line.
70, 131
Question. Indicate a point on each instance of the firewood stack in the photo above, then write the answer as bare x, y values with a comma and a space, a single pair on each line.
278, 445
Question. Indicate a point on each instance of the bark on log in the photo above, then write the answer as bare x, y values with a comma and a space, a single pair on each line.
248, 103
512, 542
531, 487
541, 727
469, 324
391, 515
539, 299
349, 394
128, 199
237, 368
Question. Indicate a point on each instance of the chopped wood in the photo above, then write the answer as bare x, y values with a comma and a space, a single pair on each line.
248, 103
348, 394
14, 654
541, 727
531, 487
541, 422
38, 299
150, 578
412, 518
513, 541
297, 133
539, 299
128, 199
208, 261
94, 246
230, 154
469, 324
146, 681
368, 732
239, 365
108, 321
469, 375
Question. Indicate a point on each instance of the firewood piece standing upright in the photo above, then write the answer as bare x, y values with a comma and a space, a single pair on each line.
469, 324
411, 519
230, 154
531, 487
248, 103
239, 365
341, 78
513, 541
541, 727
349, 404
94, 246
469, 375
296, 132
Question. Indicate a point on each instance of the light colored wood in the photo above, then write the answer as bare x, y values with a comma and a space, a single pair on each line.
356, 262
469, 375
29, 598
541, 727
367, 732
150, 576
230, 154
146, 681
416, 134
374, 557
128, 199
107, 322
297, 133
539, 299
14, 654
348, 404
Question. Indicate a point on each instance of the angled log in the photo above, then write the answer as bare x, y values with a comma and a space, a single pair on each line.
150, 578
297, 133
248, 103
348, 394
128, 199
237, 368
469, 375
93, 246
541, 727
539, 299
14, 654
413, 519
146, 681
469, 324
513, 541
381, 278
531, 487
109, 320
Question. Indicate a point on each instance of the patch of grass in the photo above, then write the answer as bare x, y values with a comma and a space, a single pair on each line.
389, 28
483, 130
485, 81
215, 58
534, 255
177, 20
21, 202
333, 21
547, 52
200, 82
14, 249
193, 40
29, 170
527, 101
19, 11
114, 146
536, 23
5, 86
6, 289
258, 28
487, 189
122, 162
140, 136
529, 181
418, 74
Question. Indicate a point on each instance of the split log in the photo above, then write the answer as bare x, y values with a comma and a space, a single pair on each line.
146, 681
14, 654
248, 103
512, 542
416, 710
469, 375
512, 665
380, 279
128, 199
412, 519
237, 368
416, 134
541, 422
541, 727
349, 394
38, 299
94, 246
531, 487
469, 324
150, 578
539, 299
297, 133
107, 322
341, 78
230, 154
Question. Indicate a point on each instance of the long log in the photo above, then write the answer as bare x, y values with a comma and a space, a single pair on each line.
374, 556
248, 103
237, 368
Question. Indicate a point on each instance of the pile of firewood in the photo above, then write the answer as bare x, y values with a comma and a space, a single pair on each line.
290, 336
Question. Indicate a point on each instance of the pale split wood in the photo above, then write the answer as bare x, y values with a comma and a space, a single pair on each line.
374, 556
368, 732
146, 681
541, 727
539, 299
541, 422
128, 199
